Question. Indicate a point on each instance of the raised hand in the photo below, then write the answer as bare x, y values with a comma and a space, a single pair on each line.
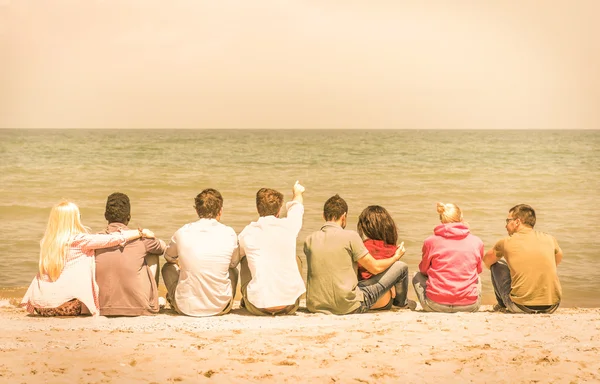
298, 189
400, 251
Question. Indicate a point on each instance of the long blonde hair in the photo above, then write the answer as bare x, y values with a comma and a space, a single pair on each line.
64, 224
449, 213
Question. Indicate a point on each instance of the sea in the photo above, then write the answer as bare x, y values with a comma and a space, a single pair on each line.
485, 172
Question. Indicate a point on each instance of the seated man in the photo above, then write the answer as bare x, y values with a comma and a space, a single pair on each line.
127, 276
333, 255
526, 281
271, 280
202, 257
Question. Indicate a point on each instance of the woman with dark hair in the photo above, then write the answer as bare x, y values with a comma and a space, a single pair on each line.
380, 235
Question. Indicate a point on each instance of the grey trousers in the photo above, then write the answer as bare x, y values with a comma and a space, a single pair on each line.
375, 287
170, 274
501, 281
420, 285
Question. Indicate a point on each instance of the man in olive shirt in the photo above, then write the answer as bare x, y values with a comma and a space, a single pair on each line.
333, 254
526, 281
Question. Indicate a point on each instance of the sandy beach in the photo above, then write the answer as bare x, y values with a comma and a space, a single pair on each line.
377, 347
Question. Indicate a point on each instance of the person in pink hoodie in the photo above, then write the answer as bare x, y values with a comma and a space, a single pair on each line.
448, 277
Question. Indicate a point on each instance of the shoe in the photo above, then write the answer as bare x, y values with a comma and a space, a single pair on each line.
410, 304
499, 308
162, 302
242, 304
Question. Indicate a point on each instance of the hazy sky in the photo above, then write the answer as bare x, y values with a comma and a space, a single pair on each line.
300, 64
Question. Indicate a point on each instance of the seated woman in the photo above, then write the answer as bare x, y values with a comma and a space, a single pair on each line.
378, 231
66, 284
448, 280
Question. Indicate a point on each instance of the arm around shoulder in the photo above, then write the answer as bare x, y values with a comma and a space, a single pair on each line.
375, 266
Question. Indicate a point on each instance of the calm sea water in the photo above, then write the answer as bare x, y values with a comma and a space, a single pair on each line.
484, 172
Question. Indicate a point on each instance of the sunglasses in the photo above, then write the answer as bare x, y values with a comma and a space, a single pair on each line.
509, 220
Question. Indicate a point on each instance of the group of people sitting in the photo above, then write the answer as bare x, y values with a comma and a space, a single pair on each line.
116, 273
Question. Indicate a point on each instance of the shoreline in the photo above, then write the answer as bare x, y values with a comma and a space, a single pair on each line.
391, 346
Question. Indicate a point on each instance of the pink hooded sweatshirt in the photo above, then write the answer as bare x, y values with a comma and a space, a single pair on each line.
452, 261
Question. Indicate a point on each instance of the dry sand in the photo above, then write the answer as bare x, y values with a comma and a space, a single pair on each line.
379, 347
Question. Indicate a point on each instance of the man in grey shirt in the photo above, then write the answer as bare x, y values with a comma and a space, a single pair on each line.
333, 254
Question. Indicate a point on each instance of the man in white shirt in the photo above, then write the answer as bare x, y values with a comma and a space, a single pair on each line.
270, 278
200, 273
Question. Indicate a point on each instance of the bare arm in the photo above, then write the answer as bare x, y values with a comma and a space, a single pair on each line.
235, 257
375, 266
490, 258
171, 254
558, 256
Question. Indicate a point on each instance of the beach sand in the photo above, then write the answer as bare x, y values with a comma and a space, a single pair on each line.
377, 347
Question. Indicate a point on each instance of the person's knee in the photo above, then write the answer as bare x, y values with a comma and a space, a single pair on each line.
418, 278
401, 267
169, 273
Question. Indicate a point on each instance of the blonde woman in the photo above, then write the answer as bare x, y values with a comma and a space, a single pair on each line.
65, 284
448, 277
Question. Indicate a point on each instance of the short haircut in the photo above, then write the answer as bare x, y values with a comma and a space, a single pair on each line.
376, 223
208, 203
118, 208
268, 202
334, 208
524, 213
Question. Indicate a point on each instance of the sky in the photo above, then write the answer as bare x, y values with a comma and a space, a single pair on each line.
300, 64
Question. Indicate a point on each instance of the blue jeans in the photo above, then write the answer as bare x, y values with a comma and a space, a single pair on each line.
375, 287
501, 281
420, 285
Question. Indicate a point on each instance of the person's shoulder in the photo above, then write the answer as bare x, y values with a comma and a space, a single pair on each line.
543, 234
247, 229
475, 238
226, 229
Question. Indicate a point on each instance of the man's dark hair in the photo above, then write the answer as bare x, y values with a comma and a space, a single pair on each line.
376, 223
524, 213
208, 203
118, 208
268, 201
334, 208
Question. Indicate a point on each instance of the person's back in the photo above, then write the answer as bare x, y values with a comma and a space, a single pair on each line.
332, 270
66, 281
271, 280
530, 255
127, 275
526, 281
448, 278
200, 273
333, 255
204, 286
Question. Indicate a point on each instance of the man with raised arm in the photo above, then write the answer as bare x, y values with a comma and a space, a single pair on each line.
271, 283
333, 255
127, 276
201, 270
524, 266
